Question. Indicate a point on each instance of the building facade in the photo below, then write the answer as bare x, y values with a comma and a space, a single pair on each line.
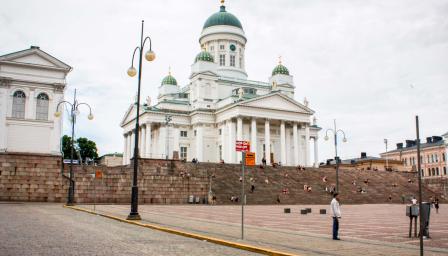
367, 163
433, 156
204, 118
113, 159
32, 83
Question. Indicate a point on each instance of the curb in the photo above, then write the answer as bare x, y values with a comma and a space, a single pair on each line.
240, 246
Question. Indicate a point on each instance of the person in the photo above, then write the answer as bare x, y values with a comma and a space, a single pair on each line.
263, 160
278, 199
436, 204
336, 214
324, 179
390, 197
413, 200
252, 188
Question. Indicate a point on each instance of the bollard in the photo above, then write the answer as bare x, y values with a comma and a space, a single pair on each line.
303, 211
323, 211
308, 210
287, 210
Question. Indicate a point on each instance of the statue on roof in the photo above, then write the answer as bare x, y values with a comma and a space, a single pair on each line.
306, 102
240, 93
148, 101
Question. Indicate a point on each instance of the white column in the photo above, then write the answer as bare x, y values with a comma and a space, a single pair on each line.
148, 141
231, 149
282, 143
316, 155
200, 143
253, 138
223, 143
129, 146
239, 136
295, 139
125, 153
307, 145
132, 143
267, 142
143, 142
176, 135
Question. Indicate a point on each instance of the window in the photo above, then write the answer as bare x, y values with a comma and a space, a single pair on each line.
437, 158
183, 153
220, 131
423, 173
221, 47
437, 171
222, 59
443, 157
212, 48
195, 132
241, 62
183, 134
427, 156
42, 107
232, 60
18, 104
432, 158
444, 170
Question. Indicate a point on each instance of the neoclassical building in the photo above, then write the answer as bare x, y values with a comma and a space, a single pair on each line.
32, 83
204, 118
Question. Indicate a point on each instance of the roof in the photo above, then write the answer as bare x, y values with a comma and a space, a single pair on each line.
204, 56
169, 79
11, 57
422, 146
222, 18
280, 69
358, 160
113, 154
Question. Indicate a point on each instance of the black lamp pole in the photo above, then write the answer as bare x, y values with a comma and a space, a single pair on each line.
73, 112
336, 158
134, 215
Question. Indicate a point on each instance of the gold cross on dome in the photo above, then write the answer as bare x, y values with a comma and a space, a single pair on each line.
279, 59
169, 70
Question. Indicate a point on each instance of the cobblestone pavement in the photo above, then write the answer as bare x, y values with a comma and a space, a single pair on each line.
50, 229
367, 229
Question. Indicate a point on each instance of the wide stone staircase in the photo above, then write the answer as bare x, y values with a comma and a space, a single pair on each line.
285, 185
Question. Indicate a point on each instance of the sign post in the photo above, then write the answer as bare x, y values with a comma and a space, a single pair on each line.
243, 147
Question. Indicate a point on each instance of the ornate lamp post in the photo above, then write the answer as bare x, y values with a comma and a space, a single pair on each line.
73, 113
149, 56
336, 158
387, 159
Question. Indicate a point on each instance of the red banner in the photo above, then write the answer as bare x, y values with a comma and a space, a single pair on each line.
242, 146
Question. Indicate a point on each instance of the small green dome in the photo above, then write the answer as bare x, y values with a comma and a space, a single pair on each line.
280, 69
222, 18
204, 56
169, 79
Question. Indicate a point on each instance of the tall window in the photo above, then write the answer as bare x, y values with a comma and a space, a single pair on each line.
437, 158
42, 107
222, 59
183, 153
183, 134
444, 170
221, 47
232, 60
18, 104
241, 62
212, 48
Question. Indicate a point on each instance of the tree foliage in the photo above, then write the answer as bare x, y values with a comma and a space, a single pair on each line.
83, 146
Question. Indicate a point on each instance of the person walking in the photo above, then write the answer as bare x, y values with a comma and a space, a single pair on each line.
336, 213
436, 204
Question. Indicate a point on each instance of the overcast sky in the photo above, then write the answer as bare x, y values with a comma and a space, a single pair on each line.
372, 65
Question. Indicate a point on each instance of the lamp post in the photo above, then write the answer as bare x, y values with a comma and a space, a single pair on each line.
74, 111
149, 56
336, 158
387, 159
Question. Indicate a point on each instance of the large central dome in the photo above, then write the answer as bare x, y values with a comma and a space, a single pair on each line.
222, 18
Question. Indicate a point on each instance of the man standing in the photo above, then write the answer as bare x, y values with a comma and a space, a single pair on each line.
336, 211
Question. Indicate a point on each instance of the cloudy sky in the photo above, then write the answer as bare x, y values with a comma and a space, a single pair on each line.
372, 65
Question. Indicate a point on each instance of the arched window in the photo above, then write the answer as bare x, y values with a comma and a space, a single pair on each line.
18, 104
42, 106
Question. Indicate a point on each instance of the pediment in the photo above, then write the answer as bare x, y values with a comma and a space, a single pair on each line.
204, 73
277, 101
129, 115
35, 57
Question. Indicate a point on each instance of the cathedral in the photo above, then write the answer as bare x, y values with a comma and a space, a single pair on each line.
203, 119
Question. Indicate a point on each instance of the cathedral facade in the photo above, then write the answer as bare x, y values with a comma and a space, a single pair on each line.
203, 119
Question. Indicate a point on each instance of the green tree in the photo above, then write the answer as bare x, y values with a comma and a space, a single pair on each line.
87, 148
67, 146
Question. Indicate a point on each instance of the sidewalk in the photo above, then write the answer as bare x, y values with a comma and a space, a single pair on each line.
268, 226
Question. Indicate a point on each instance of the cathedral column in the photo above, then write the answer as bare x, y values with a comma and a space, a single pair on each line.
223, 143
200, 143
128, 147
125, 153
307, 145
282, 143
239, 135
176, 134
231, 149
253, 137
316, 157
295, 139
148, 141
142, 147
267, 142
132, 143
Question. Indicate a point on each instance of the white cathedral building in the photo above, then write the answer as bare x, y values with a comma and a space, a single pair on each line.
204, 118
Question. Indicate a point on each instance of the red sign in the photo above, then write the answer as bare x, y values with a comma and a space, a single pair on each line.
242, 146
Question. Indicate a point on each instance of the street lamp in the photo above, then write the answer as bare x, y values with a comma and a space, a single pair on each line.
336, 158
73, 113
149, 56
387, 159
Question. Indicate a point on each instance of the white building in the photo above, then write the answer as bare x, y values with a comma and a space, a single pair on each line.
220, 106
32, 83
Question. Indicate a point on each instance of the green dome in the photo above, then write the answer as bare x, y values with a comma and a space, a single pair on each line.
280, 69
204, 56
169, 79
222, 18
